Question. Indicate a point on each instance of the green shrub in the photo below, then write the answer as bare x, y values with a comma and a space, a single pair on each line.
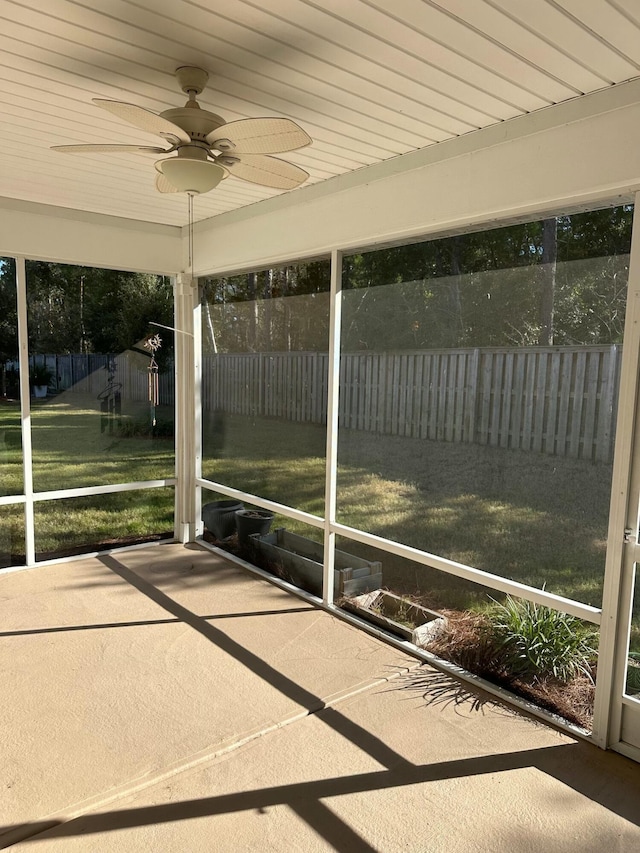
40, 374
536, 642
633, 673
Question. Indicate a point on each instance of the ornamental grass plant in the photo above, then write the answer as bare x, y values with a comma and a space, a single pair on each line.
536, 642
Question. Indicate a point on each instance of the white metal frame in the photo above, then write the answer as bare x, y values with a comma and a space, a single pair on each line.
263, 503
606, 726
29, 498
197, 405
333, 394
607, 617
25, 410
623, 550
186, 419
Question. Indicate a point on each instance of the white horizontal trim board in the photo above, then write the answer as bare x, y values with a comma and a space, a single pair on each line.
576, 154
538, 596
271, 506
47, 233
88, 491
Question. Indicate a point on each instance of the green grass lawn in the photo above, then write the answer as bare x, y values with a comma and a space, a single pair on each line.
78, 525
72, 446
532, 518
529, 517
70, 450
540, 520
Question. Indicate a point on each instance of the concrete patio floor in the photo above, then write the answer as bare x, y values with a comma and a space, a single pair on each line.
164, 699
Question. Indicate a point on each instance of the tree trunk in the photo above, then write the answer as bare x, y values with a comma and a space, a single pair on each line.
267, 293
455, 301
548, 276
252, 320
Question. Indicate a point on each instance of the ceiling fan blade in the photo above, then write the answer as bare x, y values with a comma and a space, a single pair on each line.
163, 185
268, 171
259, 136
144, 119
108, 149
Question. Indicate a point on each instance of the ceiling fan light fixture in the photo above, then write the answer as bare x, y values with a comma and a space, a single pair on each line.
191, 176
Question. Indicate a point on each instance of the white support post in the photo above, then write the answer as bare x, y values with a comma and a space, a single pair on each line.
185, 300
197, 414
25, 410
612, 649
335, 319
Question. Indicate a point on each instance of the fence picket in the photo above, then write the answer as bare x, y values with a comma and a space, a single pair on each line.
591, 399
528, 403
472, 390
496, 402
518, 387
578, 402
607, 403
485, 398
540, 403
505, 430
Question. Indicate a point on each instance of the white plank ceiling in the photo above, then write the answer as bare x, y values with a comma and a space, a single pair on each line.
367, 79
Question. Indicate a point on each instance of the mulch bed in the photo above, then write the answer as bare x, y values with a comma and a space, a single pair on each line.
466, 643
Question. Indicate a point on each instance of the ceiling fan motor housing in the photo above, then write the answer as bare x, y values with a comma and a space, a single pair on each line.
196, 122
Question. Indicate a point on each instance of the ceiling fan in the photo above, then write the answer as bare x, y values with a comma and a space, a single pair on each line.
207, 148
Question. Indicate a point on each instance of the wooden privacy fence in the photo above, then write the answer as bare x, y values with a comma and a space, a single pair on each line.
90, 374
290, 385
554, 400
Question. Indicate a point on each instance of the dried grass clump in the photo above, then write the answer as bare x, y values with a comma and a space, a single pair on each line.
469, 642
466, 641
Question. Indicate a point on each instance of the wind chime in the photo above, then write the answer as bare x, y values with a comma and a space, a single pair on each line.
153, 344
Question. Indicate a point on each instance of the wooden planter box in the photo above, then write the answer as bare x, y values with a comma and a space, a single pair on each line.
398, 615
300, 560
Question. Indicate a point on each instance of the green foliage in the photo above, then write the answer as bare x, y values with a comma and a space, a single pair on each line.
282, 309
536, 642
494, 287
74, 309
8, 311
633, 673
39, 374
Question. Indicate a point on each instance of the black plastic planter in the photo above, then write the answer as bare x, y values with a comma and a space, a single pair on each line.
249, 521
220, 517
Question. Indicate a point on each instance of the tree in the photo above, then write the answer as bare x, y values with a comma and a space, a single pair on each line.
559, 280
74, 309
276, 310
8, 321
